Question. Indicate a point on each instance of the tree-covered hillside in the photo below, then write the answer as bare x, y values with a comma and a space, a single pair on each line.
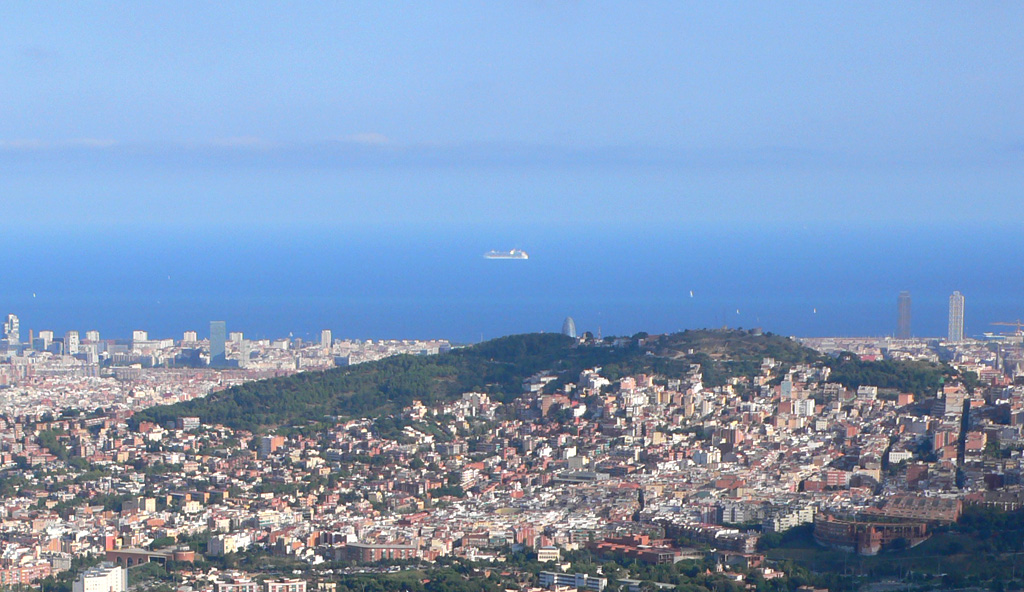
918, 377
497, 367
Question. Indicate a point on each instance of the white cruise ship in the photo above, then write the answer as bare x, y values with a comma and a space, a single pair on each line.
513, 254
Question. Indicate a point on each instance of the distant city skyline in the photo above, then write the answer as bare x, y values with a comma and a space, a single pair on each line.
219, 336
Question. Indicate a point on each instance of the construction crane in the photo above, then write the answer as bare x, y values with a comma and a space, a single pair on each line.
1019, 324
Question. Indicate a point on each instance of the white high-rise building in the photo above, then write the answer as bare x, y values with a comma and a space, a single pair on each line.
104, 578
71, 343
42, 343
326, 339
190, 337
12, 330
92, 335
956, 317
140, 335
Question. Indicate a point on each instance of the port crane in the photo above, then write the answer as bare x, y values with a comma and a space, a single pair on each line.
1019, 324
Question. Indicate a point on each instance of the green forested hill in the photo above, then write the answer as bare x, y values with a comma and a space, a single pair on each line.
918, 377
496, 367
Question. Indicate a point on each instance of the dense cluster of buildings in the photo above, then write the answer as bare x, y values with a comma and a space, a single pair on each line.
645, 467
44, 372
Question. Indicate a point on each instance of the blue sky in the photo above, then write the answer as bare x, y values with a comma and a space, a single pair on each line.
373, 113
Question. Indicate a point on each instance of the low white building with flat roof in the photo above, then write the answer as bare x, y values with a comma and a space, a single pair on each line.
545, 554
103, 578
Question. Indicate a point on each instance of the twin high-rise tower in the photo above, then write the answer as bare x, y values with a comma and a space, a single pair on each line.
955, 332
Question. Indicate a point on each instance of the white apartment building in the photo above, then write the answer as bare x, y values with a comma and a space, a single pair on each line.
104, 578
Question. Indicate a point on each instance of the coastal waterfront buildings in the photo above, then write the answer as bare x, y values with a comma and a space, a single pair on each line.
128, 375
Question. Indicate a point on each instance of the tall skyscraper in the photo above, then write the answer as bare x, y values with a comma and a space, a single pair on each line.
326, 339
956, 317
12, 330
569, 327
71, 343
218, 340
903, 321
244, 351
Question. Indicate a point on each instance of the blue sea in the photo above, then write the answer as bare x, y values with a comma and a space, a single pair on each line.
419, 282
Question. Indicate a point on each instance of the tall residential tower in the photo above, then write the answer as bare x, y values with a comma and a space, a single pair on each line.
72, 343
903, 322
218, 342
956, 317
12, 330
